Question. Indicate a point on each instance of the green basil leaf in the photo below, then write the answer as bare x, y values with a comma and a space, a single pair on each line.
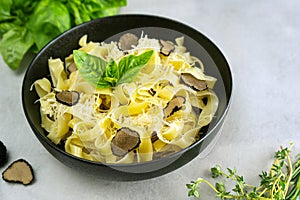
43, 20
103, 84
26, 7
79, 12
130, 75
131, 65
112, 70
14, 45
84, 11
104, 74
110, 3
101, 8
104, 12
109, 80
5, 10
50, 18
134, 61
90, 67
5, 27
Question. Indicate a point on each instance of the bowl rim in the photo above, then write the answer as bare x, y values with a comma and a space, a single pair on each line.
115, 17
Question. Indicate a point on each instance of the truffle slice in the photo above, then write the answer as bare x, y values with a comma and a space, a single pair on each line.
3, 154
154, 136
166, 47
152, 92
193, 82
72, 68
124, 141
20, 171
127, 41
68, 98
174, 105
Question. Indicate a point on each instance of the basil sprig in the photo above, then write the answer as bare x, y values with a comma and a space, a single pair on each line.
27, 25
103, 74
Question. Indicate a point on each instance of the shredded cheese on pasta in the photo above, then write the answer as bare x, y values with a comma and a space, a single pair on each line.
88, 127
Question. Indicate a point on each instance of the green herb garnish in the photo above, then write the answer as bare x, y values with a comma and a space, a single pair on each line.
27, 25
103, 74
281, 183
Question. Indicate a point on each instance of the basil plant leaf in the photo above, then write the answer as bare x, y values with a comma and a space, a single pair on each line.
5, 27
130, 66
111, 74
130, 75
50, 18
14, 45
104, 74
91, 68
5, 10
112, 69
79, 12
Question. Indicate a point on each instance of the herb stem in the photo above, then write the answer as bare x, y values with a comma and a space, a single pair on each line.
200, 180
263, 192
282, 181
275, 186
290, 174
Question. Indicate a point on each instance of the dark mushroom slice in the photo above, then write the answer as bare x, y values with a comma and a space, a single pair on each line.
174, 105
154, 136
124, 141
20, 171
193, 82
50, 117
152, 92
106, 102
72, 68
3, 154
127, 41
69, 98
166, 47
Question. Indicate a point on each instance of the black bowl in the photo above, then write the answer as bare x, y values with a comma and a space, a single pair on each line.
110, 28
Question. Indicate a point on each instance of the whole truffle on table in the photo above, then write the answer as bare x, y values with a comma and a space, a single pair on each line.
124, 141
20, 171
3, 154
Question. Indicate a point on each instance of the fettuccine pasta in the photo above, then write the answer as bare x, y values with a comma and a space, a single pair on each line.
141, 108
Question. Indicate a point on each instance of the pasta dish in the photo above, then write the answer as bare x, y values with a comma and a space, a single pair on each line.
151, 98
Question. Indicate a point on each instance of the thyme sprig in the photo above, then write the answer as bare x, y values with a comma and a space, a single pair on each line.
282, 182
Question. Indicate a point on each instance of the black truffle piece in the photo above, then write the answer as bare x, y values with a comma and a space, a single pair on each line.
166, 47
72, 68
154, 136
69, 98
124, 141
20, 171
3, 154
193, 82
127, 41
152, 92
174, 105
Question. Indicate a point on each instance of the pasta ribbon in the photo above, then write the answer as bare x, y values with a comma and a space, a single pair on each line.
88, 127
59, 128
42, 87
58, 74
145, 150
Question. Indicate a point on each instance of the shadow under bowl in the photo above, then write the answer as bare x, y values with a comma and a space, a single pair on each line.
110, 29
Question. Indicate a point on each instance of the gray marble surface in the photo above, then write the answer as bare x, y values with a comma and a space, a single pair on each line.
261, 41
